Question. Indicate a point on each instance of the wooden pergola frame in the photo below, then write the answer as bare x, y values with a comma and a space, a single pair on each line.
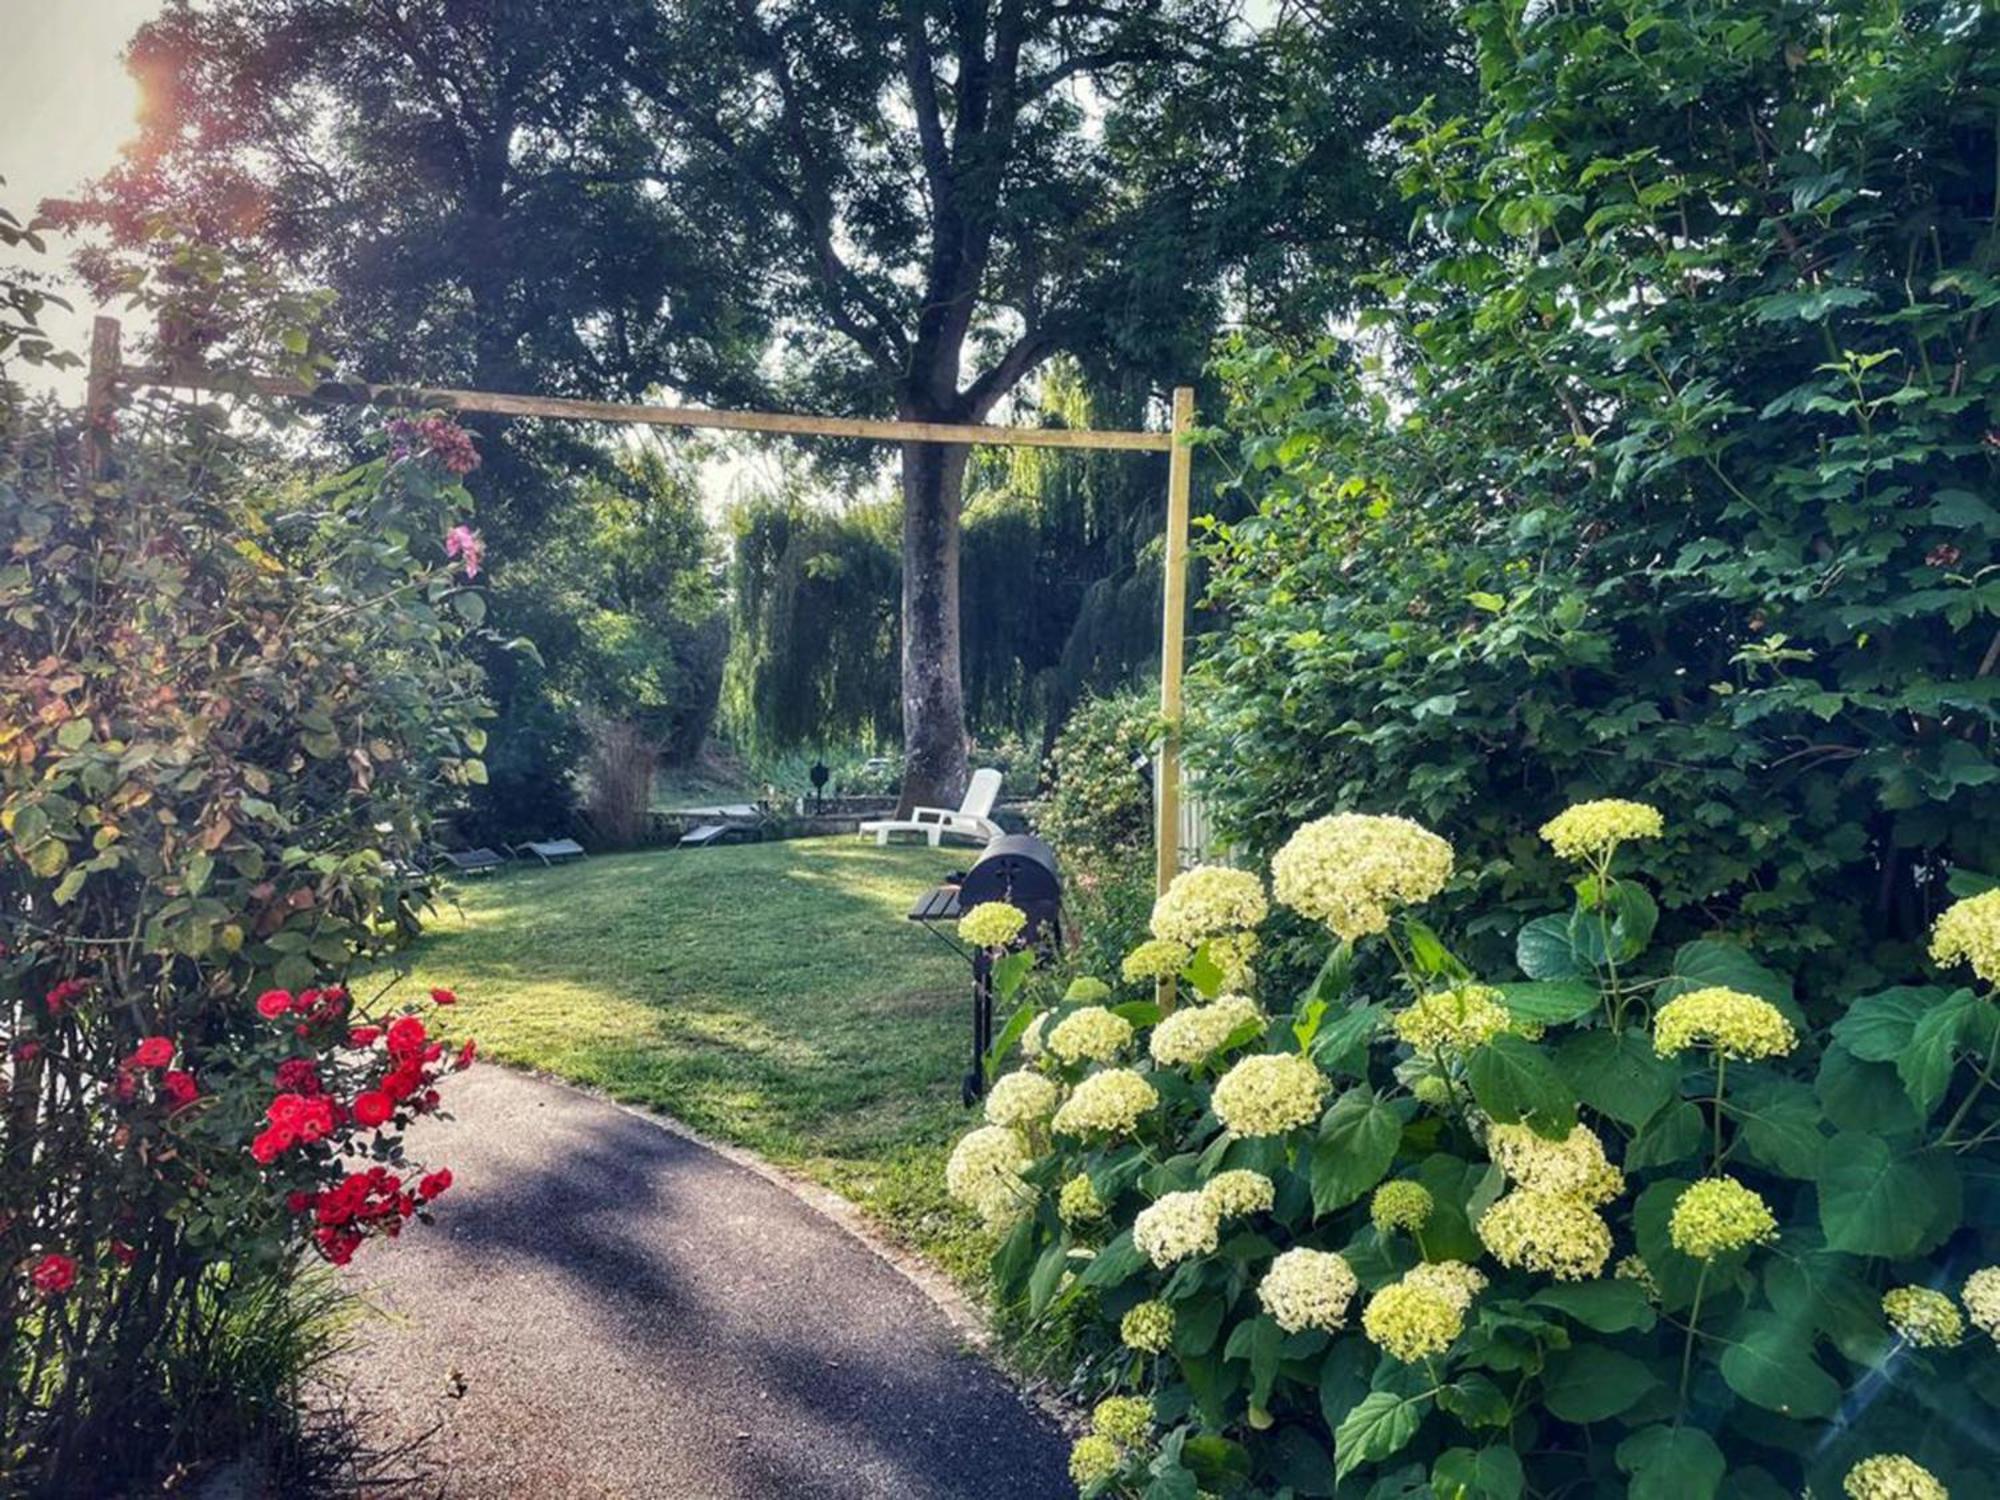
108, 371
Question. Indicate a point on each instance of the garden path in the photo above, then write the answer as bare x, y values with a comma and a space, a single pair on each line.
608, 1308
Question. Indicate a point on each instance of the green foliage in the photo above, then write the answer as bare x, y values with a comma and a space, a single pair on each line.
1663, 475
235, 702
620, 596
1659, 1363
1098, 815
815, 648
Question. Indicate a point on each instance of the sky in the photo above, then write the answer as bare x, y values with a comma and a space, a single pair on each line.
66, 106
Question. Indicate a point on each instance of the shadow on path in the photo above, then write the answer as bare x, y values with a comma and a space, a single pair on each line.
607, 1309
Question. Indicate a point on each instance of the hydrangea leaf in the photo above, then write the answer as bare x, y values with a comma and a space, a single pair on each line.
1607, 1305
1296, 1459
1514, 1080
1114, 1263
1768, 1362
1484, 1474
1593, 1383
1672, 1463
1617, 1074
1357, 1141
1925, 1064
1876, 1028
1874, 1201
1544, 950
1780, 1121
1551, 1002
1866, 1097
1710, 961
1380, 1424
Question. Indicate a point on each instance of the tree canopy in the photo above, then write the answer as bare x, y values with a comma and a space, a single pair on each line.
849, 207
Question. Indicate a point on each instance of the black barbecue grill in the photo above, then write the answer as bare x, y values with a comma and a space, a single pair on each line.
1021, 871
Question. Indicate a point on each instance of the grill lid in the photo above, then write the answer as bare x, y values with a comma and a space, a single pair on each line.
1016, 868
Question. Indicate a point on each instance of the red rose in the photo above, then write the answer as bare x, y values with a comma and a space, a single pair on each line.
53, 1274
299, 1075
271, 1144
444, 997
337, 1245
298, 1202
123, 1253
180, 1088
363, 1036
153, 1052
274, 1003
60, 995
434, 1184
315, 1118
28, 1051
407, 1036
373, 1107
467, 1052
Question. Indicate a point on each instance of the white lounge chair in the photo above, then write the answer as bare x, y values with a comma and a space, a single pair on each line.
973, 819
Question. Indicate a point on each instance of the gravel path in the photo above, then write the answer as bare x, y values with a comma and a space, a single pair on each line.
605, 1308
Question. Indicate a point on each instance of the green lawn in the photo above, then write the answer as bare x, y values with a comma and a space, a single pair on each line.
773, 995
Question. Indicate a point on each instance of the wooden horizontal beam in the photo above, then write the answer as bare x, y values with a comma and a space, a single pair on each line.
362, 393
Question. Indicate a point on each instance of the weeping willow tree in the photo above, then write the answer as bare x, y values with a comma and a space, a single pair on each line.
815, 647
1061, 585
1059, 596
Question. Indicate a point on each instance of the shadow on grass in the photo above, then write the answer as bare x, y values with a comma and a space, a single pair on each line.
773, 995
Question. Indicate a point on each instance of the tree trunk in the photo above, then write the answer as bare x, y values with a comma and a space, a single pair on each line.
934, 770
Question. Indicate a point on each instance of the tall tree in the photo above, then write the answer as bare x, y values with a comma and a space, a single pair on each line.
939, 184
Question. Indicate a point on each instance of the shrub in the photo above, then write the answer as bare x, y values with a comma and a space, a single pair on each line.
1632, 1223
234, 701
1673, 478
1098, 815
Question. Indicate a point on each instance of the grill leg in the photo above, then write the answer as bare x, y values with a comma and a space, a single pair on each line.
982, 1027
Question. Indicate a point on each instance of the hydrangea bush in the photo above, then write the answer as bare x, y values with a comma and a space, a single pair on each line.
1625, 1222
235, 702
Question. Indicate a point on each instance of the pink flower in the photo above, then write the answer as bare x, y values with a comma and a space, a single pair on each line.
54, 1274
464, 543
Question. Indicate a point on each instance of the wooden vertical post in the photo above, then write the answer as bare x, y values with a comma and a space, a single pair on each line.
1173, 643
105, 362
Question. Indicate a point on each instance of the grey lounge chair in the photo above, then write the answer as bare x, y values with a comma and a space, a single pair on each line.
480, 861
552, 851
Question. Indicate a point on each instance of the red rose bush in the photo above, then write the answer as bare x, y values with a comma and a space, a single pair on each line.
235, 703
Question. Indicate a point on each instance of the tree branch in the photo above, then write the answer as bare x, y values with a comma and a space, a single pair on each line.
880, 338
1008, 371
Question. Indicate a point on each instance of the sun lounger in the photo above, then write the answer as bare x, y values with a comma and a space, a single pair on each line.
551, 851
480, 861
971, 820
